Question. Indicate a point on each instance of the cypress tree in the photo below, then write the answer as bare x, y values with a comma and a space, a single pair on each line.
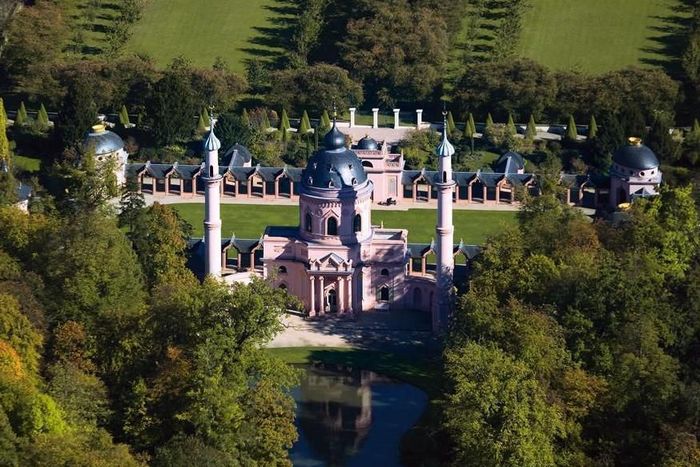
571, 132
22, 117
124, 117
265, 122
201, 125
305, 124
284, 121
325, 122
531, 130
42, 118
450, 123
205, 117
592, 128
245, 119
471, 125
489, 120
4, 142
511, 125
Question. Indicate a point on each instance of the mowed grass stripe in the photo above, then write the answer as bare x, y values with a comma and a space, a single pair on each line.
249, 221
595, 36
203, 30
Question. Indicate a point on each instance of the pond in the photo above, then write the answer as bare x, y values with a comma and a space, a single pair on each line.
352, 417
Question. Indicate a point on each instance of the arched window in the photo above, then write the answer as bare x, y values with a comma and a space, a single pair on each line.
384, 272
211, 171
307, 222
367, 164
384, 294
357, 223
332, 226
282, 270
283, 286
444, 177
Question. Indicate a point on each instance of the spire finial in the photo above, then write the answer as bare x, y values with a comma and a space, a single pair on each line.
335, 113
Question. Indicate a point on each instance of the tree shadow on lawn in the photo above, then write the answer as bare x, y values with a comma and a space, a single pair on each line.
399, 332
270, 43
669, 43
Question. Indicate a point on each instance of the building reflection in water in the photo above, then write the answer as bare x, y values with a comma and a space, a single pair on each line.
335, 410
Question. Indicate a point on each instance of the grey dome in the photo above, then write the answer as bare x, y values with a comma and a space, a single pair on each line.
335, 166
334, 139
368, 144
635, 155
102, 141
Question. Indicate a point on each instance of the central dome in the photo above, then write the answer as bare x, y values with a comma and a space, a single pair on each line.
636, 156
334, 167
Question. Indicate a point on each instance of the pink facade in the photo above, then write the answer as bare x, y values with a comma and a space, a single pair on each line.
336, 261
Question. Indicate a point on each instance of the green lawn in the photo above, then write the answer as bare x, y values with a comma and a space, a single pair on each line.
249, 221
205, 29
596, 35
26, 164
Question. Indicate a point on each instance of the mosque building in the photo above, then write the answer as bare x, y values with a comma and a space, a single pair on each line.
336, 260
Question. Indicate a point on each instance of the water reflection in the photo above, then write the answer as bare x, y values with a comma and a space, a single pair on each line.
352, 417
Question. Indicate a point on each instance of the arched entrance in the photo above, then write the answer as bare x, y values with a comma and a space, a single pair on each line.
332, 301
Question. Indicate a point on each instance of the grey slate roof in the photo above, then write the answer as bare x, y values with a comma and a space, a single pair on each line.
335, 166
237, 155
509, 163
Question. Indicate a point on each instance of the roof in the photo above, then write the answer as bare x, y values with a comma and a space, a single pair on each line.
102, 141
636, 156
367, 144
510, 162
335, 166
237, 156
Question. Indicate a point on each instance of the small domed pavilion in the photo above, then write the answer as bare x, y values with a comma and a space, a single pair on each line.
634, 173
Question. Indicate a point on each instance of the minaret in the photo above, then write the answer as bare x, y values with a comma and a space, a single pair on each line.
444, 232
212, 202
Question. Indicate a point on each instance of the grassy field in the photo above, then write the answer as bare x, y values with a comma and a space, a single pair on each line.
26, 164
203, 30
249, 221
597, 35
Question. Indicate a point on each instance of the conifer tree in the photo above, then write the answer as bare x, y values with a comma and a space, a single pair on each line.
531, 130
471, 130
571, 132
4, 142
201, 125
592, 128
284, 121
205, 117
489, 120
510, 127
42, 118
325, 122
265, 122
450, 123
22, 117
124, 117
305, 124
245, 119
471, 125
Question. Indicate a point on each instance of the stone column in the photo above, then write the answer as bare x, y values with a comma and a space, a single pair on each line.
341, 295
498, 194
312, 307
352, 117
485, 194
250, 187
396, 118
349, 293
167, 185
419, 118
469, 192
375, 117
322, 298
277, 188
